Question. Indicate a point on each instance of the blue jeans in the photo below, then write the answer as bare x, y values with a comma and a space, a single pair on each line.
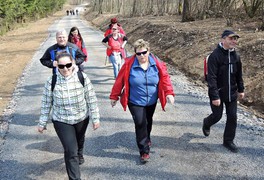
116, 62
72, 139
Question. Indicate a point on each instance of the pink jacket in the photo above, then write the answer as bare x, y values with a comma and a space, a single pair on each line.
121, 85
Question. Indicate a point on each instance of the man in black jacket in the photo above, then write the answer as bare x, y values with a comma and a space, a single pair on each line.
225, 85
49, 57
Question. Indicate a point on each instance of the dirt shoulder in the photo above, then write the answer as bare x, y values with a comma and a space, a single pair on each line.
184, 45
17, 48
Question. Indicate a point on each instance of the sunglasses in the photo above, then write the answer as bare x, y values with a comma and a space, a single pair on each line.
114, 29
61, 66
143, 52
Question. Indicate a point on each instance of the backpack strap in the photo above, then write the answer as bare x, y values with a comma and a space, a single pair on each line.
53, 81
81, 78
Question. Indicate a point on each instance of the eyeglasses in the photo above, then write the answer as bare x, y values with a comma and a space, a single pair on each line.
139, 53
61, 66
114, 29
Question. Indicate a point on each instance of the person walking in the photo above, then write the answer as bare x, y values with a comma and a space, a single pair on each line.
49, 57
225, 85
115, 44
70, 102
75, 37
142, 80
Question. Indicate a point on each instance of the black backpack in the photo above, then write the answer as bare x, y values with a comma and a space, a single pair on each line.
54, 79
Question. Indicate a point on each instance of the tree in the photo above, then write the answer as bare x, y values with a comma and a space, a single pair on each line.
186, 14
252, 8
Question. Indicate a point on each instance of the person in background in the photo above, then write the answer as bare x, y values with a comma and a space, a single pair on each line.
70, 104
114, 22
142, 80
76, 38
225, 85
115, 44
49, 57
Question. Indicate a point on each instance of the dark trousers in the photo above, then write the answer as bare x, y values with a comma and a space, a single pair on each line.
142, 116
231, 121
72, 139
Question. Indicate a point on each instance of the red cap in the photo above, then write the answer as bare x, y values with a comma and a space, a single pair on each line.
113, 20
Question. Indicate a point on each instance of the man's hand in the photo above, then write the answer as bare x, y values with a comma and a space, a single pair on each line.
216, 102
241, 95
55, 63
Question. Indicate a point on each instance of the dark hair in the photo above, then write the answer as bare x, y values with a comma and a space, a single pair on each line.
62, 54
74, 29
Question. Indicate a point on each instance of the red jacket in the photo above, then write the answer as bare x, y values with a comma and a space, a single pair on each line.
116, 45
80, 43
121, 85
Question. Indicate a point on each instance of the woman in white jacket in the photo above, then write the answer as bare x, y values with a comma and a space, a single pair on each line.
71, 103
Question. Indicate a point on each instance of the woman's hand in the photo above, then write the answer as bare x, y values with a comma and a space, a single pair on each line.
96, 125
170, 98
113, 102
41, 129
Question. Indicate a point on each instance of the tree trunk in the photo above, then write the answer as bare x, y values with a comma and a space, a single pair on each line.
186, 14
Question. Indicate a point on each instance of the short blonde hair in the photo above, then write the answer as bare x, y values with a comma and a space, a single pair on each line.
141, 43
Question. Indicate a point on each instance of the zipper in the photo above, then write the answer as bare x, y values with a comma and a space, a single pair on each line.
229, 74
145, 71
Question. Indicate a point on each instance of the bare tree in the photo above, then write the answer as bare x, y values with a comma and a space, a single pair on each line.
186, 14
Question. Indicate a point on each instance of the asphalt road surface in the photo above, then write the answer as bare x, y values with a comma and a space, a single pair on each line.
179, 150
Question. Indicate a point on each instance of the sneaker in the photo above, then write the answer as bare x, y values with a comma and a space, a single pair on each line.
144, 158
206, 130
81, 159
231, 146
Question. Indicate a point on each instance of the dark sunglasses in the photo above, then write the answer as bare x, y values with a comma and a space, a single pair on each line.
139, 53
114, 29
61, 66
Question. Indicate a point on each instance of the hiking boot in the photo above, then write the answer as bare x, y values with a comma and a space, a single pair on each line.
144, 158
206, 130
231, 146
81, 159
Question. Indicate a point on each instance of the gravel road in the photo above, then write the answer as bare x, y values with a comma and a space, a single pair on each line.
179, 151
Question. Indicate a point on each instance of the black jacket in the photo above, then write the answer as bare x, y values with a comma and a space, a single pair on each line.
224, 75
46, 59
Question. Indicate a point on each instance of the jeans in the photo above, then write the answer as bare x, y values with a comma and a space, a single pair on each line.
116, 61
142, 116
231, 121
72, 139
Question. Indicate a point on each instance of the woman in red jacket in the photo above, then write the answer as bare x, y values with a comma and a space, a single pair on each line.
75, 37
142, 80
115, 44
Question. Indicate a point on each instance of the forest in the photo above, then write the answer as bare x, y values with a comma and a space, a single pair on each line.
191, 10
14, 12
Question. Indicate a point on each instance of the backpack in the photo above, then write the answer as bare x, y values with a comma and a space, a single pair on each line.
206, 67
54, 79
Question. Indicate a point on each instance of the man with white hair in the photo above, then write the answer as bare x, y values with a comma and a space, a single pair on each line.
49, 57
